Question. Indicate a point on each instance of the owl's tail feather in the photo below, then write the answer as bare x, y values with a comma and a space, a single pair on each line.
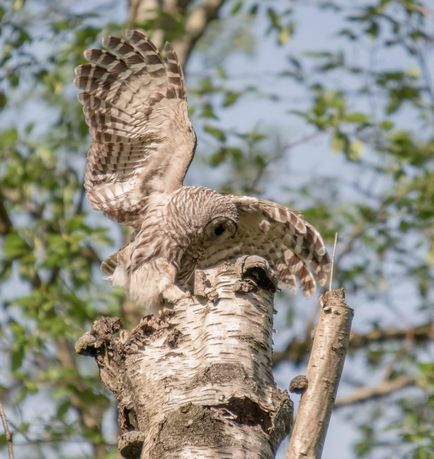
109, 265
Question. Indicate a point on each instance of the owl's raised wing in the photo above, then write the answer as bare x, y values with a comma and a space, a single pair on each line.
142, 139
293, 247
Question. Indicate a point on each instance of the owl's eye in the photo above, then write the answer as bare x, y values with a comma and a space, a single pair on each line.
219, 229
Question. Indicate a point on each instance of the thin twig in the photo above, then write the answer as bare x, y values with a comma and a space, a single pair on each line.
424, 10
8, 433
366, 394
333, 261
297, 349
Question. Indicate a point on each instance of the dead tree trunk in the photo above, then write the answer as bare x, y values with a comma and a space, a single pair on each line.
196, 381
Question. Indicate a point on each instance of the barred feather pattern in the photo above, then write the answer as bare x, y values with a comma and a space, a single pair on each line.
292, 246
173, 224
142, 143
142, 139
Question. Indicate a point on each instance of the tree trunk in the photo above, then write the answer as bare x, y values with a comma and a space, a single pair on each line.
196, 381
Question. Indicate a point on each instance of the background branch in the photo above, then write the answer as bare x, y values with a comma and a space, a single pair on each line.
195, 26
5, 221
8, 433
297, 349
370, 393
196, 21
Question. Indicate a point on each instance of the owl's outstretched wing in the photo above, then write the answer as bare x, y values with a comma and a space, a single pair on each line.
142, 139
293, 246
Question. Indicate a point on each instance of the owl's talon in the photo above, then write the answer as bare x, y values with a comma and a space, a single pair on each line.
173, 294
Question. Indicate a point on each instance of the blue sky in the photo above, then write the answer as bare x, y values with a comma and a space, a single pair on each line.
315, 30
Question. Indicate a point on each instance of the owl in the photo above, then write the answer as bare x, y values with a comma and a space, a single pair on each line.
142, 143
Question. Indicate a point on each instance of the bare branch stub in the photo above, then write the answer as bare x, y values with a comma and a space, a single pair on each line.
298, 384
330, 344
196, 381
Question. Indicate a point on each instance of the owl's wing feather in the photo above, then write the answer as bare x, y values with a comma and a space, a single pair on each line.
135, 106
284, 238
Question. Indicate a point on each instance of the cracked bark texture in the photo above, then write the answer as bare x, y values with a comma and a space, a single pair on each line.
196, 381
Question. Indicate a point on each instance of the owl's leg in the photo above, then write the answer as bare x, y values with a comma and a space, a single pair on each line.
170, 292
153, 284
119, 278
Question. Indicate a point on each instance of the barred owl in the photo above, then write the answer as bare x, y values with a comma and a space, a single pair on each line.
135, 105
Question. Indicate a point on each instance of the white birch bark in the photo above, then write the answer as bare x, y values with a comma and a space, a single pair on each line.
196, 381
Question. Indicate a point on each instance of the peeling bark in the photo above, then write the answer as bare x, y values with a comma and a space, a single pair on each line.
196, 381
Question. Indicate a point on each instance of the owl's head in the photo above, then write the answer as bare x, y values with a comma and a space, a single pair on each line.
207, 220
219, 218
204, 215
216, 216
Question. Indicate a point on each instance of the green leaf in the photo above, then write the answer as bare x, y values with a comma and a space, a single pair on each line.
8, 137
15, 246
215, 132
357, 117
236, 7
230, 98
273, 17
208, 111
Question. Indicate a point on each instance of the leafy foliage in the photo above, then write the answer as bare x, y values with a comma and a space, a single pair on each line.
364, 106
